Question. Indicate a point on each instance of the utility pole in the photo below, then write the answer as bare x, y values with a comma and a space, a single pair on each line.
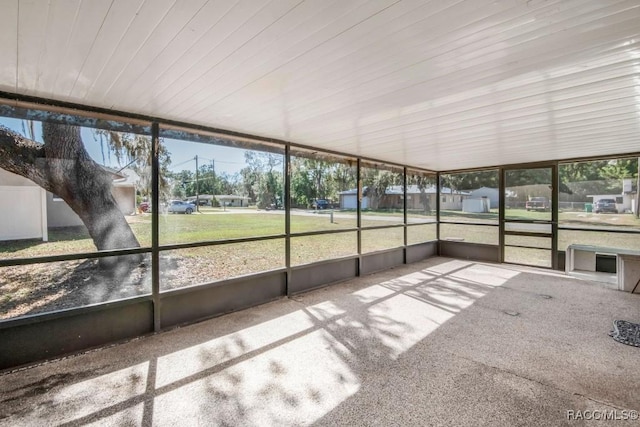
213, 183
197, 195
213, 179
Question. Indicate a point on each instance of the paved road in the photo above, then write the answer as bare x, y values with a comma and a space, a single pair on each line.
302, 212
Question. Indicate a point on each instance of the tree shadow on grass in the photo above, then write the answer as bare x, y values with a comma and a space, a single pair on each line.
55, 235
40, 288
10, 246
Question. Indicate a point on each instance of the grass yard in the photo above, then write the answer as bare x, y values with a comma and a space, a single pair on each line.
585, 219
45, 287
305, 250
209, 225
459, 216
471, 233
422, 233
214, 224
192, 266
61, 241
598, 238
528, 256
40, 288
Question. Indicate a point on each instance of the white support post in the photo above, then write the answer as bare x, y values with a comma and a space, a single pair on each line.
43, 215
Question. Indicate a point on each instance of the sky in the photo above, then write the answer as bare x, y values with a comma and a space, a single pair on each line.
225, 159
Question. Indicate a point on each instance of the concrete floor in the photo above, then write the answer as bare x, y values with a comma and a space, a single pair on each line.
440, 342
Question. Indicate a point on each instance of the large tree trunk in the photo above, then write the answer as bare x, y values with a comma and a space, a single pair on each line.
62, 166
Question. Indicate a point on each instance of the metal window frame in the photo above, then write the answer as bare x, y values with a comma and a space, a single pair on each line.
80, 115
65, 112
553, 222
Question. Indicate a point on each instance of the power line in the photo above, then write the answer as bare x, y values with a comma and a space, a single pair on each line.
220, 161
182, 163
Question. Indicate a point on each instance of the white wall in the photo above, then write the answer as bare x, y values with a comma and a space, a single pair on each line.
12, 180
125, 198
59, 214
451, 201
350, 201
491, 193
476, 205
236, 202
21, 212
627, 203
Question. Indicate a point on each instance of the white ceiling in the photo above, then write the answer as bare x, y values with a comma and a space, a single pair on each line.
434, 84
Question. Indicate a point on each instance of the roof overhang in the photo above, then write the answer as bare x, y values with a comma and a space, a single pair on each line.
436, 85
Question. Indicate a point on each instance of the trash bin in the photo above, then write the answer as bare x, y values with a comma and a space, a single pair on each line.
588, 207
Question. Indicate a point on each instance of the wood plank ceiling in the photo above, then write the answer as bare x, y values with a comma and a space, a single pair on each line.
434, 84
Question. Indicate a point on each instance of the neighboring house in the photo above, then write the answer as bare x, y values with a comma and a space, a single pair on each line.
493, 194
394, 194
124, 189
232, 200
28, 211
204, 199
349, 199
452, 200
480, 205
416, 198
222, 200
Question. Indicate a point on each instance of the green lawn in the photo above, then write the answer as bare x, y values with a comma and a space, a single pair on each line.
213, 224
42, 287
173, 229
566, 218
471, 233
540, 254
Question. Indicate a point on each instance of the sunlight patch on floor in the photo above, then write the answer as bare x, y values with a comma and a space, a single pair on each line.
93, 395
409, 280
132, 416
402, 321
293, 384
485, 274
372, 293
447, 267
190, 361
453, 300
325, 310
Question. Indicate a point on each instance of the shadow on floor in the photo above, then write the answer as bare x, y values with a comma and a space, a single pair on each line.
405, 346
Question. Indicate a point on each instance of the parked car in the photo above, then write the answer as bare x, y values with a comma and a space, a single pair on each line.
178, 206
269, 207
605, 205
538, 204
325, 204
321, 204
145, 207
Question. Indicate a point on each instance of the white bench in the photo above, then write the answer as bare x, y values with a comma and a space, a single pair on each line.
583, 258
